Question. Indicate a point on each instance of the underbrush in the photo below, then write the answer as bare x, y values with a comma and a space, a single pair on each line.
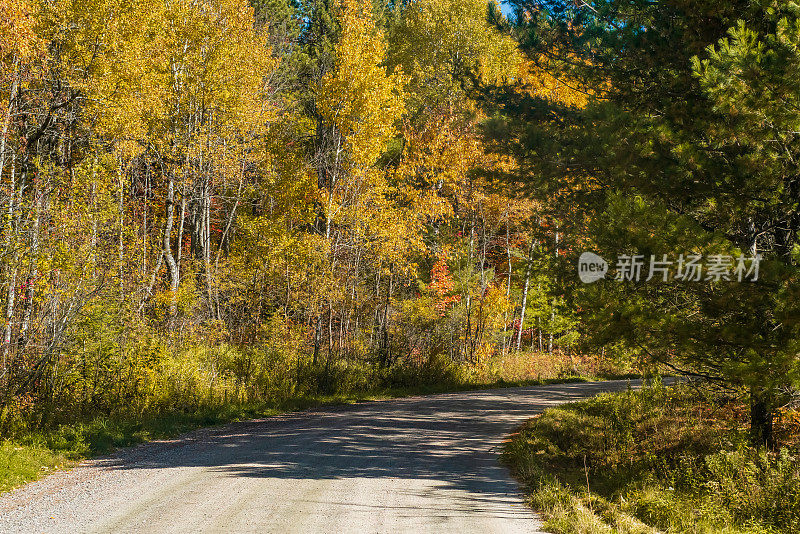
660, 459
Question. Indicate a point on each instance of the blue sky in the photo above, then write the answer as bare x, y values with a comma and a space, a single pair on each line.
505, 8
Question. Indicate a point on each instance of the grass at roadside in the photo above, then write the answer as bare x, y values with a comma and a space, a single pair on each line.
657, 460
28, 456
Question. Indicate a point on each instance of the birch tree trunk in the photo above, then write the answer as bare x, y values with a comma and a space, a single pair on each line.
528, 269
172, 266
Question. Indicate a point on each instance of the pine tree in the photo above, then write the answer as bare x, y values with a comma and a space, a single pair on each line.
674, 155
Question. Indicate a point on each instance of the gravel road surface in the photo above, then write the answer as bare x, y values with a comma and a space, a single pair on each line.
417, 465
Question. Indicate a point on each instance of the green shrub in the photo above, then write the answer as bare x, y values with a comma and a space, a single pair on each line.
671, 459
757, 484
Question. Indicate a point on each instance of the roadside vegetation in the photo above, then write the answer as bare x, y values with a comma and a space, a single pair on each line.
662, 459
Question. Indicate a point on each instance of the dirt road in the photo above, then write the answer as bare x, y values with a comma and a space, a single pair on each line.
417, 465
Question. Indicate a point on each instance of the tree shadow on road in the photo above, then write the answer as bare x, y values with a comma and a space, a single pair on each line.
451, 441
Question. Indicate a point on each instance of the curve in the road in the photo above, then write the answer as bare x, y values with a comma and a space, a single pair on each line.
419, 464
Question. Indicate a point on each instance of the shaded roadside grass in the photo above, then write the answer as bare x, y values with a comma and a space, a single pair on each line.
27, 456
656, 460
